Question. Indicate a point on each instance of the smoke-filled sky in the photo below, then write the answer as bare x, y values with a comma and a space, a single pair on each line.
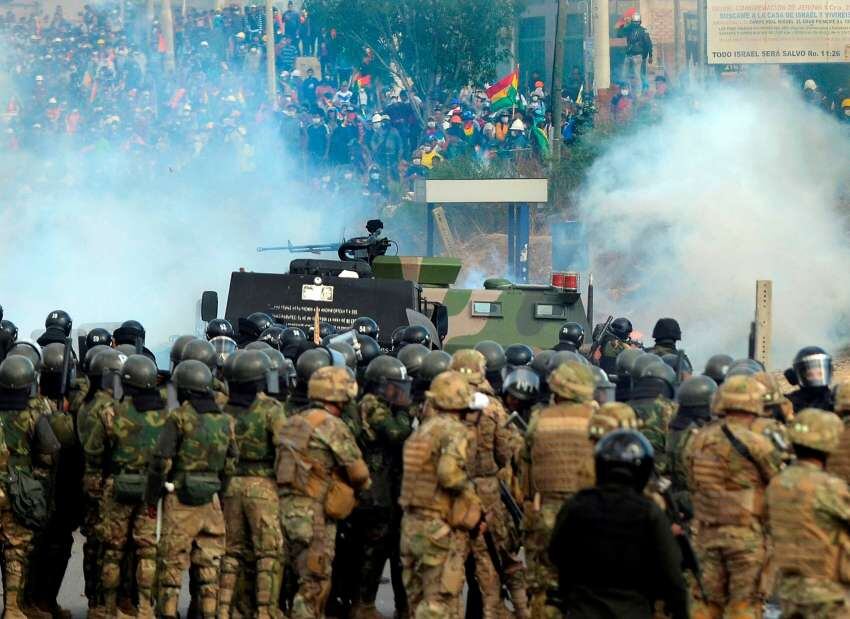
686, 215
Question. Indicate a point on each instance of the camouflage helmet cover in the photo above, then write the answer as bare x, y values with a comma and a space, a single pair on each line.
332, 384
816, 429
471, 363
842, 398
740, 394
450, 391
572, 381
612, 416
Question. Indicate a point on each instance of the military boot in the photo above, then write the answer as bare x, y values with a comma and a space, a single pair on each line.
364, 610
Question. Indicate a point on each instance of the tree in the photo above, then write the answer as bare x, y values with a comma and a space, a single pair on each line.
431, 46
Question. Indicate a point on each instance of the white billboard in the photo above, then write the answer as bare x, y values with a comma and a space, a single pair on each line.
773, 32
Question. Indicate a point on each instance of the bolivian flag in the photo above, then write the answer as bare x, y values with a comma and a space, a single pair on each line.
503, 93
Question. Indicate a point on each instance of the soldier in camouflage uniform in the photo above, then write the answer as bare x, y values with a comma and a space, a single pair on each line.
609, 417
614, 342
666, 333
381, 425
808, 513
694, 399
319, 467
651, 398
203, 351
558, 462
250, 501
729, 466
439, 502
117, 451
30, 450
308, 362
491, 445
839, 460
102, 364
195, 453
52, 549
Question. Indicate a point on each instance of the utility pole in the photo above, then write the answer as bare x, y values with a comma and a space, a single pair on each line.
677, 34
558, 77
702, 49
168, 34
601, 46
271, 72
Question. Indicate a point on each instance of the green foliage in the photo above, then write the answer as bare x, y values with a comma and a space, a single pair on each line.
431, 45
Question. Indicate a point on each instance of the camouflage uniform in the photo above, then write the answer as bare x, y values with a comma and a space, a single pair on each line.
94, 407
839, 460
251, 507
558, 462
220, 392
379, 433
610, 350
809, 518
655, 415
195, 449
52, 549
117, 449
490, 451
439, 503
30, 447
315, 452
727, 490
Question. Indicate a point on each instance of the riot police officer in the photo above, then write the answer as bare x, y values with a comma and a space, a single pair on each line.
812, 374
570, 337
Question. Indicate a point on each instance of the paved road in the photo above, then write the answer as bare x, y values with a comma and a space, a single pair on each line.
71, 595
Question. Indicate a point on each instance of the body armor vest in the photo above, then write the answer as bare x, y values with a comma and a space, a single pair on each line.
299, 467
420, 487
561, 452
839, 461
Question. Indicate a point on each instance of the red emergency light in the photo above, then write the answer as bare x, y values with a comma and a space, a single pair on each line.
566, 281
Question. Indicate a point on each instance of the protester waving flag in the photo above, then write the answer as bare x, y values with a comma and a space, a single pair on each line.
503, 94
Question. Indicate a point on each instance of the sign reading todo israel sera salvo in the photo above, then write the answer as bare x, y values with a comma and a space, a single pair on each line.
778, 31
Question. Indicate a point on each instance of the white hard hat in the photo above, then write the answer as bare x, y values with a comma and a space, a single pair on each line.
518, 125
240, 35
636, 17
809, 84
376, 118
284, 73
296, 73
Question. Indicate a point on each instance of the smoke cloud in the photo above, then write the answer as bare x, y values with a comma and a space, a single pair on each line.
736, 183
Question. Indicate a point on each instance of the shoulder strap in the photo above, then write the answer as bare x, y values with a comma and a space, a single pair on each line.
743, 450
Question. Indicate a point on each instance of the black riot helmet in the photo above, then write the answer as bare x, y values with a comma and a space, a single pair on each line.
493, 353
98, 337
563, 356
258, 345
326, 329
16, 373
412, 356
523, 383
28, 350
249, 366
218, 327
347, 351
435, 362
540, 363
108, 361
9, 330
369, 349
140, 372
417, 334
675, 361
717, 367
193, 376
311, 360
251, 327
643, 362
744, 367
517, 355
621, 328
292, 335
59, 319
696, 392
129, 332
813, 367
397, 337
387, 378
91, 353
178, 347
53, 358
572, 333
624, 457
283, 368
200, 350
366, 326
604, 390
272, 336
626, 361
667, 329
126, 349
658, 371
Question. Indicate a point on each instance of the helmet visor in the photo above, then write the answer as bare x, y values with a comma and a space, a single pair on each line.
224, 347
397, 392
814, 370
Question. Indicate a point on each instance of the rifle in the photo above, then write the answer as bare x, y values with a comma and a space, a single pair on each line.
496, 559
510, 503
599, 337
516, 419
66, 374
690, 562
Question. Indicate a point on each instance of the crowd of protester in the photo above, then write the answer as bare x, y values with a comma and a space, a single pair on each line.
102, 82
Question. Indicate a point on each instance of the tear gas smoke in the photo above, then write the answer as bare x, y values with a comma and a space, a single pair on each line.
684, 216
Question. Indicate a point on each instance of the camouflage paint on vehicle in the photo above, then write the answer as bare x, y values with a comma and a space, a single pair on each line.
502, 311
